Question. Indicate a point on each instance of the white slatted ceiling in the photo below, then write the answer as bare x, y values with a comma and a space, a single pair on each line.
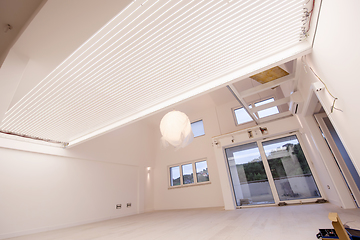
151, 52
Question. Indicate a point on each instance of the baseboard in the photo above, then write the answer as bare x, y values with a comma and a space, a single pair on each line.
51, 228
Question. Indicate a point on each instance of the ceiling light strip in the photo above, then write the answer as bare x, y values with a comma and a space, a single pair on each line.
230, 51
23, 99
141, 114
221, 37
209, 71
69, 120
48, 92
56, 111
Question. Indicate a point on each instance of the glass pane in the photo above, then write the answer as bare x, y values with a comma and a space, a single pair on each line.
242, 116
290, 170
343, 152
187, 171
175, 176
268, 111
251, 185
198, 128
202, 174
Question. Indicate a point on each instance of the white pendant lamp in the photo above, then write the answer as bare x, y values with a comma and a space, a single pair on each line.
176, 130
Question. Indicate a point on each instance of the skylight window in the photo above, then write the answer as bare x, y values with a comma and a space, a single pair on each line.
269, 111
242, 116
198, 128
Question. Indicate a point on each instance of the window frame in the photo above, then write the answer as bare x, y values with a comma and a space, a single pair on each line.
264, 139
267, 98
202, 124
195, 183
252, 104
234, 116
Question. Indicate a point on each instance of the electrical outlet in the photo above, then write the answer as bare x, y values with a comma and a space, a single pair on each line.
128, 205
118, 206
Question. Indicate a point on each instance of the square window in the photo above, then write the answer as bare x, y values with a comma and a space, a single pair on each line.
198, 128
175, 176
188, 175
269, 111
242, 116
202, 174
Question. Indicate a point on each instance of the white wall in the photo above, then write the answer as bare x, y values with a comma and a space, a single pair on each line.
198, 196
40, 192
335, 58
49, 188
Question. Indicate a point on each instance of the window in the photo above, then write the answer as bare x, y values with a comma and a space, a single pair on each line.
175, 176
198, 128
202, 174
288, 177
242, 116
185, 177
268, 111
188, 175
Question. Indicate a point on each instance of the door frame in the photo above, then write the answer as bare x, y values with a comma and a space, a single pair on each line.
269, 175
354, 191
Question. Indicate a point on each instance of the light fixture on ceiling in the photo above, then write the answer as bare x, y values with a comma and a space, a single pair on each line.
176, 130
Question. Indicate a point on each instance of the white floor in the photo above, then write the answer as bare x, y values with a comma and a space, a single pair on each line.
288, 222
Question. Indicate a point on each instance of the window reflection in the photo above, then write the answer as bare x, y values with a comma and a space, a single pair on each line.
187, 172
202, 174
175, 176
250, 183
290, 170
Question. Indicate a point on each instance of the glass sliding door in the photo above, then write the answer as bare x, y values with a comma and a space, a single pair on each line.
250, 182
271, 171
290, 170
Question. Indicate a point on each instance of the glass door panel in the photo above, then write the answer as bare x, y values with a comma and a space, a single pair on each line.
290, 170
250, 183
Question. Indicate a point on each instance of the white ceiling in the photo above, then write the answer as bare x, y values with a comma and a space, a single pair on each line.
151, 55
16, 13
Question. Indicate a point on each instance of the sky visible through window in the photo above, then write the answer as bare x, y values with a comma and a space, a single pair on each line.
200, 166
268, 111
198, 128
278, 143
187, 169
175, 172
245, 156
242, 116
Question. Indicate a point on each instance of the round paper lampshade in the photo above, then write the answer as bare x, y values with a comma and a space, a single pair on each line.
176, 130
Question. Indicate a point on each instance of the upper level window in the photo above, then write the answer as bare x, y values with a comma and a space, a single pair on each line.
242, 116
268, 111
198, 128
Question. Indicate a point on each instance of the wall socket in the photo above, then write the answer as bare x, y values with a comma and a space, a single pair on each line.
128, 205
118, 206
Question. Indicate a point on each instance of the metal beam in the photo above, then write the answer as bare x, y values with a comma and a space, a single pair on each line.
238, 97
